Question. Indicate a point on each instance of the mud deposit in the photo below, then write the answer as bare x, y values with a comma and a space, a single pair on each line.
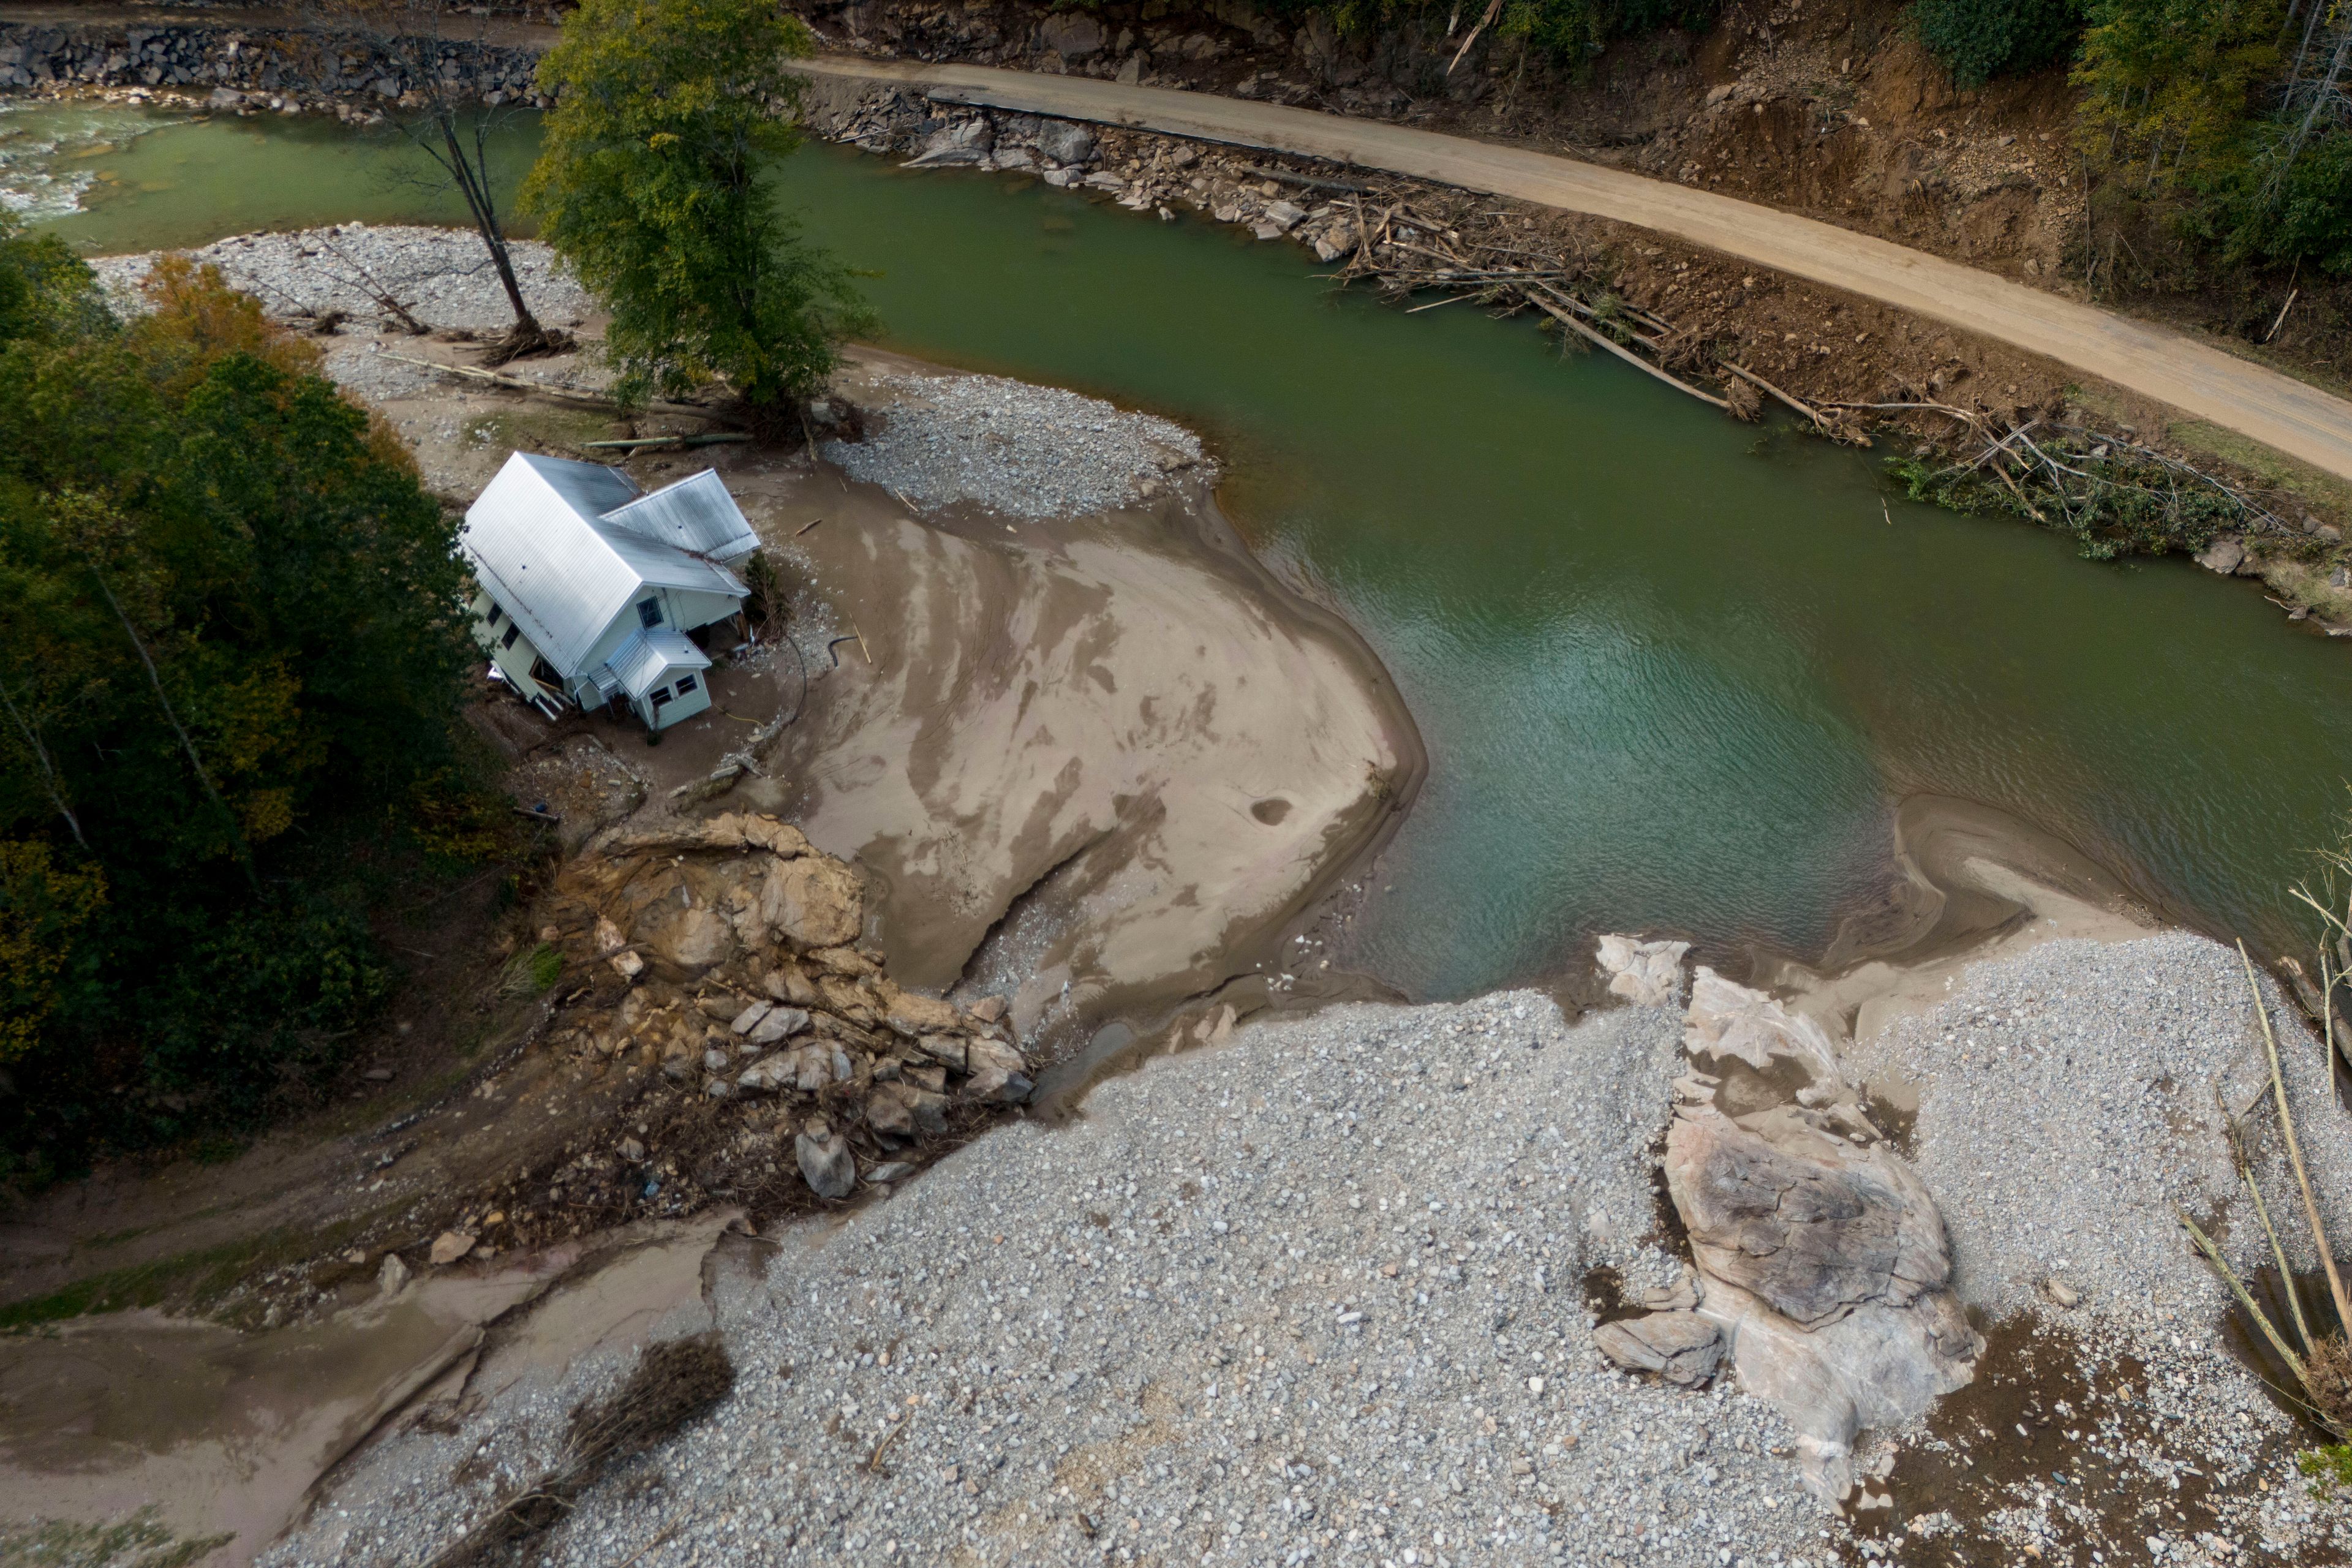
2044, 1455
1095, 764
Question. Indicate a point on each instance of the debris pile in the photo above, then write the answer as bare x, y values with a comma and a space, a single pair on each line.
745, 1048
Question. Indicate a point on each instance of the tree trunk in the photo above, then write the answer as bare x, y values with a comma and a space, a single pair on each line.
473, 180
204, 777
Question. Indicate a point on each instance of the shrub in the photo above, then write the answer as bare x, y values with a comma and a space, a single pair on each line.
1977, 40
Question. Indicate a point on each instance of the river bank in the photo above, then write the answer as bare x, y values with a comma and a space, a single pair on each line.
975, 707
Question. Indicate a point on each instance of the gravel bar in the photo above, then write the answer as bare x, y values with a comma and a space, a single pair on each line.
443, 275
1314, 1295
1021, 450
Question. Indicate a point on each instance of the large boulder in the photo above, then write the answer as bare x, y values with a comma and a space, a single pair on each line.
812, 901
1073, 34
1065, 142
911, 1015
1730, 1020
826, 1162
1646, 973
689, 938
1779, 1205
969, 142
903, 1111
1823, 1255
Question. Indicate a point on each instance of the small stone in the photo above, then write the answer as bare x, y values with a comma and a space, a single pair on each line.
2065, 1295
780, 1024
890, 1170
748, 1018
827, 1164
2224, 555
714, 1061
449, 1246
377, 1075
627, 965
1680, 1347
632, 1151
989, 1009
391, 1275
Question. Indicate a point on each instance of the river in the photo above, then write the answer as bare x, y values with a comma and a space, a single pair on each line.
1673, 672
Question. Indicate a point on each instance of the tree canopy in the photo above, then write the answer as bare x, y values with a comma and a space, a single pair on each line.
230, 632
654, 184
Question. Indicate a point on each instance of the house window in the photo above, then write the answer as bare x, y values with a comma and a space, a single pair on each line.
509, 640
661, 695
496, 614
685, 684
649, 614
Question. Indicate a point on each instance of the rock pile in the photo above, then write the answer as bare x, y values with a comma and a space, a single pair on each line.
249, 69
722, 954
1142, 172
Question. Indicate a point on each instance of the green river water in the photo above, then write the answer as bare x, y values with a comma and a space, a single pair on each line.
1673, 672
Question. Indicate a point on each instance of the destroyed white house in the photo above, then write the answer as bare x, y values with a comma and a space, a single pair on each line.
588, 588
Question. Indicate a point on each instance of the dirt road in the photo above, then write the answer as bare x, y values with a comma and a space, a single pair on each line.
2273, 409
2198, 379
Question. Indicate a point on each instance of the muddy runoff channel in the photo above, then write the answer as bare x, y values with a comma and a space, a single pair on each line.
1673, 676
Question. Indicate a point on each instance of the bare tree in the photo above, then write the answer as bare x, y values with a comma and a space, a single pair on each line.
435, 52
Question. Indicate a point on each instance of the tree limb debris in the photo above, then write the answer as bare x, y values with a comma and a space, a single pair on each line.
2116, 495
561, 394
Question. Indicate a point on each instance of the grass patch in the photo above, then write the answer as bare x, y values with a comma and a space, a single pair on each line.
194, 1278
536, 429
138, 1541
2322, 491
531, 973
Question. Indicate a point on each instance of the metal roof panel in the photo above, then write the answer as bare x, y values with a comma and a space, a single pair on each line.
647, 656
562, 575
697, 514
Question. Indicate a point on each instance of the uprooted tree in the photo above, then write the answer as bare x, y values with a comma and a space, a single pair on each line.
444, 113
653, 185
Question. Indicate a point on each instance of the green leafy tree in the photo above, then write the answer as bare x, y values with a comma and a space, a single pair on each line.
1572, 32
1977, 40
229, 638
654, 184
2226, 119
2168, 85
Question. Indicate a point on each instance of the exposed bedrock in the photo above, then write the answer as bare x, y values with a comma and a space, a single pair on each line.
1822, 1259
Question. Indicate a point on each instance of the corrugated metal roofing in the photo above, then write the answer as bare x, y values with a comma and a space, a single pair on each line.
647, 657
592, 490
560, 572
696, 514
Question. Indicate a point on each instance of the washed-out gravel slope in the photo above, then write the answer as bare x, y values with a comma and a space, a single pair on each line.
1317, 1295
1321, 1295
